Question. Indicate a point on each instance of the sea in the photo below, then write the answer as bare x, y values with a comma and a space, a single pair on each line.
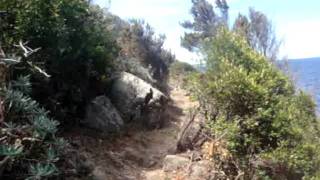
306, 75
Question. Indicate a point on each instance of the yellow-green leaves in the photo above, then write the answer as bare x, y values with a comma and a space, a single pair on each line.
257, 105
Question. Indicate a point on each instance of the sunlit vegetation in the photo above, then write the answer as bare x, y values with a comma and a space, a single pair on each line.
270, 129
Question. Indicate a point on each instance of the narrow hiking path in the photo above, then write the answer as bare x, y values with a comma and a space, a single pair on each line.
178, 112
138, 154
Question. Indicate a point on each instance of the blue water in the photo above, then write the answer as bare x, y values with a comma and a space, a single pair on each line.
306, 75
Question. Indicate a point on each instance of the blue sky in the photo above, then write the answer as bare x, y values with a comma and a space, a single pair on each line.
297, 22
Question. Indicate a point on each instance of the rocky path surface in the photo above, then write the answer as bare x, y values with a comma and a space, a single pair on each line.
178, 113
137, 155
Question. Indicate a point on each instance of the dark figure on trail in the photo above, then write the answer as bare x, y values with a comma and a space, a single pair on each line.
148, 97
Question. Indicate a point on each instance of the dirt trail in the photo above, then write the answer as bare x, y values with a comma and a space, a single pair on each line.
138, 154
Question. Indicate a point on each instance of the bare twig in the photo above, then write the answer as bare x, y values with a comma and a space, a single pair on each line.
207, 136
239, 175
184, 130
3, 138
214, 139
10, 60
190, 164
27, 50
39, 69
2, 110
2, 54
220, 137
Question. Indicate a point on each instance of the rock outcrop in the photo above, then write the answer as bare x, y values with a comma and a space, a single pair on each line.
103, 116
138, 101
178, 166
173, 163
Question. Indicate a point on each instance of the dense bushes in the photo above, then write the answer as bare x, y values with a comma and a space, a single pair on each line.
269, 127
78, 45
76, 49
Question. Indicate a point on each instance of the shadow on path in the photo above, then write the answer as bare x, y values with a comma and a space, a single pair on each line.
137, 153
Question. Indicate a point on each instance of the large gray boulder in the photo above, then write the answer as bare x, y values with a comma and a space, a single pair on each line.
137, 100
103, 116
133, 66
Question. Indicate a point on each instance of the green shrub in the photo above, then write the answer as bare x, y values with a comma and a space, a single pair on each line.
257, 106
77, 50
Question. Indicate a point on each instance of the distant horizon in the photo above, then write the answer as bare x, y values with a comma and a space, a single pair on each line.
307, 58
293, 59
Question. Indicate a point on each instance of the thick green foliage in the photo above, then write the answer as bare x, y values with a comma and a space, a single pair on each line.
78, 52
257, 106
76, 49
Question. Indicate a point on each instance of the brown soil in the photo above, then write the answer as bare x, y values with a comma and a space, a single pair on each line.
137, 155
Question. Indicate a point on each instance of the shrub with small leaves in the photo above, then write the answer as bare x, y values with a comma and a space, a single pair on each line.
77, 50
271, 128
